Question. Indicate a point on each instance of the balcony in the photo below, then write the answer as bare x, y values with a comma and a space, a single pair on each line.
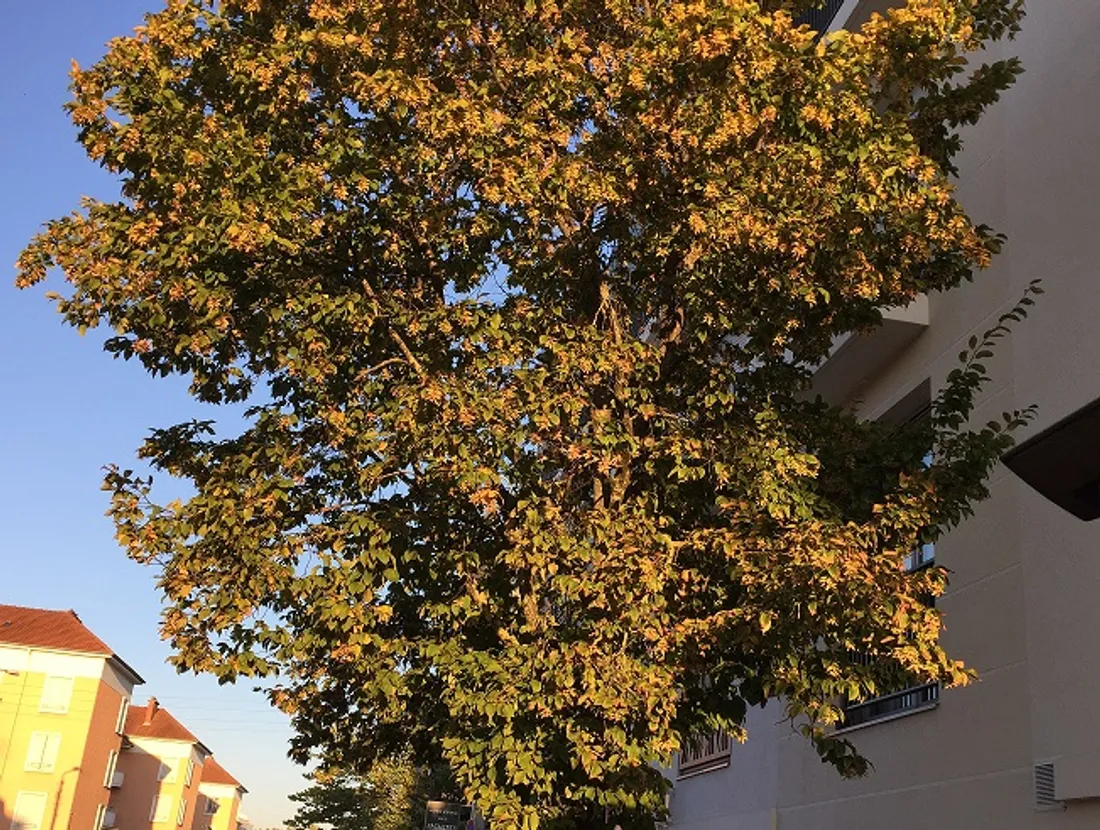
888, 707
857, 358
821, 18
707, 752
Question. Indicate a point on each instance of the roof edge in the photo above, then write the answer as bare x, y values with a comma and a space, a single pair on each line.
127, 669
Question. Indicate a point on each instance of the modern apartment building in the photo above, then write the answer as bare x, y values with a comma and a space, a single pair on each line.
1021, 748
219, 799
160, 769
64, 696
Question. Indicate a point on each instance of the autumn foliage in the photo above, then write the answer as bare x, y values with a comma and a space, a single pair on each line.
524, 298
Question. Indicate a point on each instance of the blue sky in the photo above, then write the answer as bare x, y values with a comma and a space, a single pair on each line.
67, 409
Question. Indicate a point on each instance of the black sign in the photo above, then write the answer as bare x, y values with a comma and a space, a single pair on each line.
442, 815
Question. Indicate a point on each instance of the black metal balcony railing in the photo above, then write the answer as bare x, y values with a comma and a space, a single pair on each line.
705, 753
906, 700
819, 18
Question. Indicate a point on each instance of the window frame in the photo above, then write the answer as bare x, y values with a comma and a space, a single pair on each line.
168, 770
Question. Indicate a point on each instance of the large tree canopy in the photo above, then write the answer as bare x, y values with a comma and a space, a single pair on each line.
523, 298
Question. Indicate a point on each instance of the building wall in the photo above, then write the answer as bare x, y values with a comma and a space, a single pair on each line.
1021, 607
104, 738
85, 734
141, 765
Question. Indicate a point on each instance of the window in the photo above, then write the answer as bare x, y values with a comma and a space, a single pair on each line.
100, 813
181, 813
42, 752
29, 809
914, 695
123, 711
211, 806
112, 762
167, 771
190, 772
705, 753
56, 692
162, 808
922, 556
925, 554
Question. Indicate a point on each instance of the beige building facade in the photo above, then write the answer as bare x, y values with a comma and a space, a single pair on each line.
1020, 749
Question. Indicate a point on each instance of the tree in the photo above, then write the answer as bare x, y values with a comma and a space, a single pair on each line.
523, 299
338, 802
391, 796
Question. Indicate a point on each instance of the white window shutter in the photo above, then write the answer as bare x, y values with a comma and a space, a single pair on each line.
56, 693
29, 810
162, 806
42, 752
123, 710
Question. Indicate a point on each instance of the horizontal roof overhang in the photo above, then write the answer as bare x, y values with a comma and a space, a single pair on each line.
1062, 462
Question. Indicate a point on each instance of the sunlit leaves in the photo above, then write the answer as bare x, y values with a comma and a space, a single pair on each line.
524, 299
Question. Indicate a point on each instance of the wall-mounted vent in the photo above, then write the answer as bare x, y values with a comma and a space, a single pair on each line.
1044, 787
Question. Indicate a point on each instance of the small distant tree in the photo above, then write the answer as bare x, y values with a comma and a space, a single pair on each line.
392, 795
337, 802
524, 299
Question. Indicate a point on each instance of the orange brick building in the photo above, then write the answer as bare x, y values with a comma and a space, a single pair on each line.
64, 698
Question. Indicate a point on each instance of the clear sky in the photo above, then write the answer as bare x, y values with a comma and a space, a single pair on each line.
67, 409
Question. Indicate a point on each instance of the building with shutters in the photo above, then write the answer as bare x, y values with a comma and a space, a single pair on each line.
64, 696
1020, 749
159, 770
219, 799
74, 754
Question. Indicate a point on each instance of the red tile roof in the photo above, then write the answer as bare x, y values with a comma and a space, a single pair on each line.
55, 630
161, 725
39, 628
215, 773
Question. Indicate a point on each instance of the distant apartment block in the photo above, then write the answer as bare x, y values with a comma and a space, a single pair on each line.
219, 799
74, 755
161, 767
